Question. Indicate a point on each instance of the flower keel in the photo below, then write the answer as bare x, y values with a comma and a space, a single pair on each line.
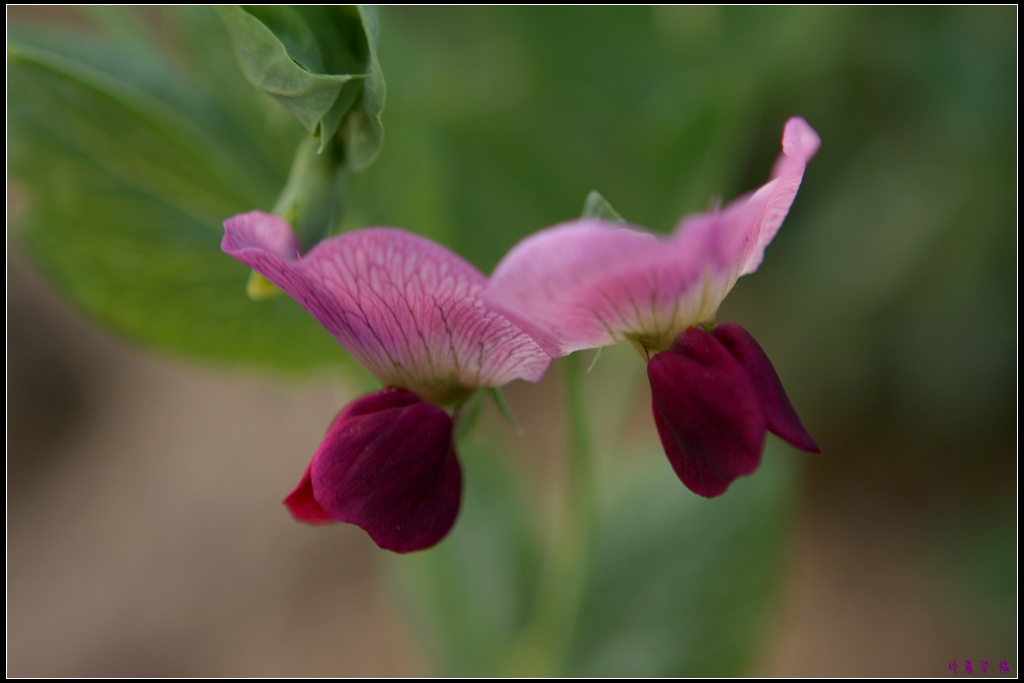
707, 413
714, 397
387, 465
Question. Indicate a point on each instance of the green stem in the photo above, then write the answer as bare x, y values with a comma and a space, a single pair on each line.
312, 198
581, 474
311, 201
547, 637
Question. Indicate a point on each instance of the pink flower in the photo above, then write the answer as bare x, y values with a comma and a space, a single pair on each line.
591, 283
411, 312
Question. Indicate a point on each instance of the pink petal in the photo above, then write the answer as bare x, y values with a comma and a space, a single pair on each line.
707, 413
591, 283
408, 310
780, 415
388, 465
754, 219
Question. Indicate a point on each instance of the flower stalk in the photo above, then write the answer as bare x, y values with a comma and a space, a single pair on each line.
547, 637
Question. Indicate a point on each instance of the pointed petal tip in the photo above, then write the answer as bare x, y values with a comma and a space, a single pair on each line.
781, 417
303, 505
799, 140
797, 437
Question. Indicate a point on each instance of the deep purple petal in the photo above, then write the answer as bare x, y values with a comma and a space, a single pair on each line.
407, 309
301, 501
388, 465
780, 415
707, 412
303, 505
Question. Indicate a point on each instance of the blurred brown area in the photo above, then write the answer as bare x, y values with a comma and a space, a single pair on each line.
145, 531
146, 535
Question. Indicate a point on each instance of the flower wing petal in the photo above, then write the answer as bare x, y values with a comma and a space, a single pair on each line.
707, 413
591, 283
406, 308
779, 413
301, 502
388, 465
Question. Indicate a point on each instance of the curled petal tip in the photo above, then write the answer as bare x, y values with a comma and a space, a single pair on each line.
303, 505
589, 283
799, 140
259, 231
759, 217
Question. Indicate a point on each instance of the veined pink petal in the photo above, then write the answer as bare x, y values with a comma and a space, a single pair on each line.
591, 283
408, 310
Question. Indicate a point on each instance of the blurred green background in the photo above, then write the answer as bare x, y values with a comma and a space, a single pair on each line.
887, 303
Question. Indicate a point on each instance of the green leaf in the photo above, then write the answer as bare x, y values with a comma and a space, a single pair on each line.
364, 131
321, 64
121, 195
505, 409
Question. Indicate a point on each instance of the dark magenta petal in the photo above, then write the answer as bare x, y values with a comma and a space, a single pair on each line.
301, 502
707, 412
303, 505
388, 465
779, 413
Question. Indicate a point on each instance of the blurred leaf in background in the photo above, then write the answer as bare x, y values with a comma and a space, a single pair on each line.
126, 158
682, 585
